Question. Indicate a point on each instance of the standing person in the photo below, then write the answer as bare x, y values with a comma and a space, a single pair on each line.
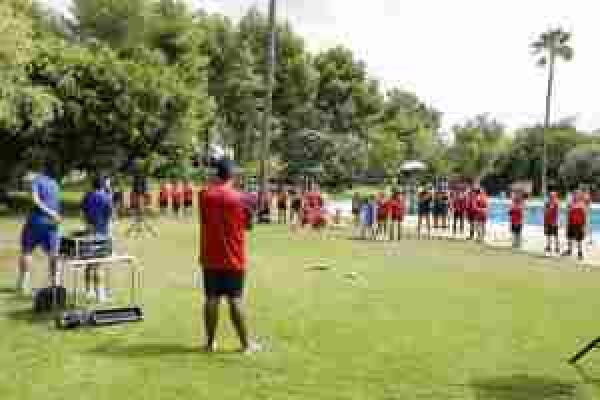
481, 213
587, 199
424, 212
188, 197
437, 209
282, 206
576, 217
356, 203
516, 212
382, 216
551, 212
176, 197
41, 228
164, 194
472, 212
396, 209
97, 208
295, 206
459, 208
368, 216
223, 222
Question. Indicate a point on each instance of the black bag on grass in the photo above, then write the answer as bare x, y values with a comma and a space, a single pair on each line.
46, 298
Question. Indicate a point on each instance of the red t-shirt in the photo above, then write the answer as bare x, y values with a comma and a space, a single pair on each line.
223, 221
177, 194
164, 193
577, 214
382, 210
314, 200
396, 209
188, 193
481, 206
551, 213
516, 214
459, 204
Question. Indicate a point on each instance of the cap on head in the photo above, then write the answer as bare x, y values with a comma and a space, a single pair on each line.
225, 169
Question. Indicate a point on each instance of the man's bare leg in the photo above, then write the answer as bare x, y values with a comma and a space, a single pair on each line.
238, 317
211, 319
24, 273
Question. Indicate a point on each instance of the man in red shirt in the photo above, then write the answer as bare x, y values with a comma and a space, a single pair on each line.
576, 225
188, 197
176, 197
224, 218
459, 208
516, 219
481, 213
163, 197
396, 209
551, 211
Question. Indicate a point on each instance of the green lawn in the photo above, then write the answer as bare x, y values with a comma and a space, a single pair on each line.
424, 320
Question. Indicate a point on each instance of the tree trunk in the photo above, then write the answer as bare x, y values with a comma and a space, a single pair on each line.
547, 124
269, 82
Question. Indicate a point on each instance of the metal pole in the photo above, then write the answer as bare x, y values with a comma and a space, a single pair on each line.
268, 106
547, 124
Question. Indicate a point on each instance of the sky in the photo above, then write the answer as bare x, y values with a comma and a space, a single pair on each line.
464, 57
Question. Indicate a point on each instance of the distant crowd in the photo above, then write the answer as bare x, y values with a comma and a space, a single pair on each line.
454, 211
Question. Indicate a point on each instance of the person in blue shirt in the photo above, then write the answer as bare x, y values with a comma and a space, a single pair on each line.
97, 208
41, 227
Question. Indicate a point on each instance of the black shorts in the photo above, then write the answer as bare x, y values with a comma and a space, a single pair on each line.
516, 229
223, 283
164, 204
551, 230
576, 232
188, 203
176, 206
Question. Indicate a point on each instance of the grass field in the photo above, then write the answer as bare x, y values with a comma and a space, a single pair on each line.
423, 320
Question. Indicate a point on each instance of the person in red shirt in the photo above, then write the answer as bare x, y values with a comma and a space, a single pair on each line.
516, 213
282, 206
382, 215
396, 209
163, 197
459, 209
576, 218
224, 218
551, 212
188, 197
471, 212
176, 197
480, 213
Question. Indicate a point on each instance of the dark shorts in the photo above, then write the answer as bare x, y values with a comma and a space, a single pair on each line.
223, 283
576, 232
516, 229
176, 206
164, 204
551, 230
188, 203
46, 236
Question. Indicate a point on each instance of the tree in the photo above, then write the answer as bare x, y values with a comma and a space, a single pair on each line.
582, 165
551, 45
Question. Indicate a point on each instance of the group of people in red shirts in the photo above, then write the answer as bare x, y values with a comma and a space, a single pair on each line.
380, 217
578, 209
178, 195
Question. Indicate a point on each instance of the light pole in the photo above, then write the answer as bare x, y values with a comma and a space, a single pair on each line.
268, 106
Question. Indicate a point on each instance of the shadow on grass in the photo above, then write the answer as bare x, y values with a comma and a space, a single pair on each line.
152, 350
27, 315
523, 387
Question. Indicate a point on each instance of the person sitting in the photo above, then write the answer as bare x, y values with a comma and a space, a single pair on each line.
97, 211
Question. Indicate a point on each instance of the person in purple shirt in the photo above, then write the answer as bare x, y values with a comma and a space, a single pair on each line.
41, 227
97, 208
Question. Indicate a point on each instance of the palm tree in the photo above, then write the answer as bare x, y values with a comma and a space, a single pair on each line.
550, 45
